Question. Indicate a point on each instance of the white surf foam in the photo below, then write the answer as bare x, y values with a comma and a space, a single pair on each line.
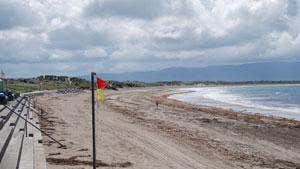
220, 97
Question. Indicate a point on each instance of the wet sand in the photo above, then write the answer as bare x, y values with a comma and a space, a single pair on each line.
132, 132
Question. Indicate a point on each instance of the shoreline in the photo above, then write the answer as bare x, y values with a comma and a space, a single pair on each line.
184, 90
233, 114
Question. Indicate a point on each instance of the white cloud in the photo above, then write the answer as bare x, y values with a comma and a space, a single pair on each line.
143, 9
120, 35
95, 52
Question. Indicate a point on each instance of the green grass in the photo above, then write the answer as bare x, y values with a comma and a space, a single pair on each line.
34, 84
20, 87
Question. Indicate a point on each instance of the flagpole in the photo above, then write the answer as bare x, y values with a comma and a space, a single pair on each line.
93, 118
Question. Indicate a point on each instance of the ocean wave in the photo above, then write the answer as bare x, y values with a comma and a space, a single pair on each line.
223, 97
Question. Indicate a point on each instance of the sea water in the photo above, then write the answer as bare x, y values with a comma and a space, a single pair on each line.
275, 100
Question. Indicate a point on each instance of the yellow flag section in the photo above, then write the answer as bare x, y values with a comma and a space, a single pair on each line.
101, 85
100, 95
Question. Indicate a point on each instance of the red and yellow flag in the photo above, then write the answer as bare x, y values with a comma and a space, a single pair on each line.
101, 85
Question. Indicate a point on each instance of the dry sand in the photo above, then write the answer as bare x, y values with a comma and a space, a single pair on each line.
133, 133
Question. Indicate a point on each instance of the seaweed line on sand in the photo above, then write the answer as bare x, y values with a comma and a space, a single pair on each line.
72, 161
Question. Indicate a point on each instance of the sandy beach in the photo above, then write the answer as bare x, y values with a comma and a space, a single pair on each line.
133, 133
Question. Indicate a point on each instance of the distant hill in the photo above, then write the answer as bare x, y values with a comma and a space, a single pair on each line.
246, 72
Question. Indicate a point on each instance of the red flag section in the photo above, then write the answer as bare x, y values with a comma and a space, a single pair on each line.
101, 83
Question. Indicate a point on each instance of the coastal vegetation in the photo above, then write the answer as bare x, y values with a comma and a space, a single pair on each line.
52, 82
46, 82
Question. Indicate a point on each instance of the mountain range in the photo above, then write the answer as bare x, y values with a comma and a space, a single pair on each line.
244, 72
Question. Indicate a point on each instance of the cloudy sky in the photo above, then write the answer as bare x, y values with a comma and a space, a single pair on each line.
75, 37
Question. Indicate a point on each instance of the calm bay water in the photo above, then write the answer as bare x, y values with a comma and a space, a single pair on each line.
276, 100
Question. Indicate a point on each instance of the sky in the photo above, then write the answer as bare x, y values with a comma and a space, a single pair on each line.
75, 37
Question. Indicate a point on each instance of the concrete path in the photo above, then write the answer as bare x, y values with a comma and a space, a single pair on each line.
19, 143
